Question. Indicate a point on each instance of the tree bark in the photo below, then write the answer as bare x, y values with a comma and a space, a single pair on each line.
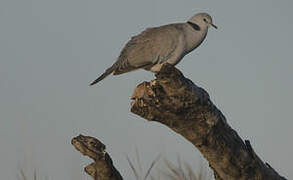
177, 102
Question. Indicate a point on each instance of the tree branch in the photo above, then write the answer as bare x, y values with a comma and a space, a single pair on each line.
102, 168
175, 101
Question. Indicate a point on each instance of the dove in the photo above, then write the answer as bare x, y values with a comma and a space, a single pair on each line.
155, 46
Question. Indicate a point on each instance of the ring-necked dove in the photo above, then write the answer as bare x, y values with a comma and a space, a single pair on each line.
155, 46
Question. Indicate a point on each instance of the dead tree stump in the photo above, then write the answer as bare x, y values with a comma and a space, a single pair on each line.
178, 103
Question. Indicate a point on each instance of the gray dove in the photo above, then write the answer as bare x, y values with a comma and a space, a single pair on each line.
158, 45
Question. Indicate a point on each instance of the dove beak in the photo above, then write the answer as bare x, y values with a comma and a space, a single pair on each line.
214, 25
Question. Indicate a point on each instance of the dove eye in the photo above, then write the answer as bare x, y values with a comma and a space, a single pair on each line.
205, 20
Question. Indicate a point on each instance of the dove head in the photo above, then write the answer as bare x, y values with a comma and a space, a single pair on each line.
203, 20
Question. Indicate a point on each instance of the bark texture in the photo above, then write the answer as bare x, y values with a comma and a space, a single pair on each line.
102, 168
177, 102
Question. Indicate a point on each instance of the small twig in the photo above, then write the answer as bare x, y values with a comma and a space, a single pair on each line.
151, 166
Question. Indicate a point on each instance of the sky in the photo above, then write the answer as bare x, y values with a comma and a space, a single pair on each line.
51, 50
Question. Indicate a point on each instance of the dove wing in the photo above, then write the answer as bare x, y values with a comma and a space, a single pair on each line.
152, 46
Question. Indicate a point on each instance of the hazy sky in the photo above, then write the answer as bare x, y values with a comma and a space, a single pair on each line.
51, 49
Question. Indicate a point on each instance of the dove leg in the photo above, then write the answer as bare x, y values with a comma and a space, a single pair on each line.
156, 68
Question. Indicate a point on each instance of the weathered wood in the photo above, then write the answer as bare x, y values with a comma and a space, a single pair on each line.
102, 168
177, 102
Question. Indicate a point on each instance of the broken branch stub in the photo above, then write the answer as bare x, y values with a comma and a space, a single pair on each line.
102, 168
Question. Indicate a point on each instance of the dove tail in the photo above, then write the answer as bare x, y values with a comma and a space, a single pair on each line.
104, 75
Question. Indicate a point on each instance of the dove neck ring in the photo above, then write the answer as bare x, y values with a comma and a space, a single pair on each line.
194, 26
